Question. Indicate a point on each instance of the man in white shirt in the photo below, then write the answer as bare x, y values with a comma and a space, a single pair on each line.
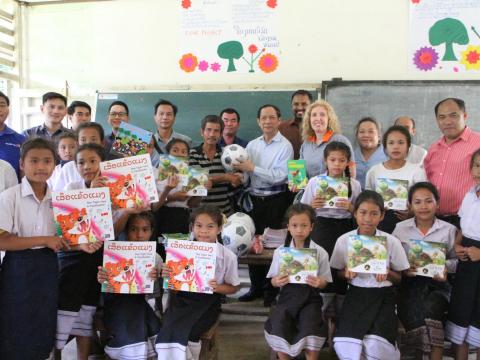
416, 154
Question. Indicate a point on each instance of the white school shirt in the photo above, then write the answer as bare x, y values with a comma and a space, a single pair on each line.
441, 232
469, 213
416, 154
161, 186
310, 193
67, 175
322, 261
53, 178
396, 259
411, 172
24, 215
8, 176
226, 266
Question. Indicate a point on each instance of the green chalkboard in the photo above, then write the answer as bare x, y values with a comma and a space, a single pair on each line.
194, 105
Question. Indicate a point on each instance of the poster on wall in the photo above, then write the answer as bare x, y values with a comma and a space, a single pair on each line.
229, 36
444, 36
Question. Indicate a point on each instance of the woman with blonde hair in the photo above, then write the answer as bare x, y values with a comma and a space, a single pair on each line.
320, 127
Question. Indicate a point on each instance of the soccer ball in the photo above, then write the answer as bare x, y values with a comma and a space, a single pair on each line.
233, 154
244, 219
237, 237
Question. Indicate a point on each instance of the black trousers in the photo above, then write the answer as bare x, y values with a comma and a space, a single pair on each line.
268, 211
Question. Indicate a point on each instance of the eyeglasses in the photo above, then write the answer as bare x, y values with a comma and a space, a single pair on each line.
119, 114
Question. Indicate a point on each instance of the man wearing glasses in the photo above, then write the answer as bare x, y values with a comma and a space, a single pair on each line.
117, 112
447, 163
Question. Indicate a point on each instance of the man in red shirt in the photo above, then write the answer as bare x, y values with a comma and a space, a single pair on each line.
447, 161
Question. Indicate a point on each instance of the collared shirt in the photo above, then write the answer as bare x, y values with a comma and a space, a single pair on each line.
413, 173
313, 154
322, 261
396, 259
364, 165
67, 174
155, 155
441, 232
226, 266
311, 192
469, 214
8, 177
292, 130
416, 154
41, 131
109, 140
269, 176
448, 168
23, 214
10, 142
218, 195
236, 140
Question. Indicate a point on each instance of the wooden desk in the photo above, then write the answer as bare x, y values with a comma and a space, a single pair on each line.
265, 258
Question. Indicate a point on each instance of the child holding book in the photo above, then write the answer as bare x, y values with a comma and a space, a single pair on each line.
463, 325
130, 322
190, 314
29, 276
367, 323
423, 301
387, 177
296, 324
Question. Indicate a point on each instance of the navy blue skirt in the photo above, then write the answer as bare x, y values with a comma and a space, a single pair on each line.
28, 304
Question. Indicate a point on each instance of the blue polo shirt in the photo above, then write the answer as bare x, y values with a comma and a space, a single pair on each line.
10, 142
236, 140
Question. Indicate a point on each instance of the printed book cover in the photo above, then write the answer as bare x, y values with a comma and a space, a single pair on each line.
394, 193
298, 264
428, 257
367, 254
171, 165
131, 140
128, 265
297, 174
131, 181
197, 182
83, 216
192, 265
332, 189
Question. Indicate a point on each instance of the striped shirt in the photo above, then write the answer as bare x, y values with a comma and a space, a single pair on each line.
218, 195
448, 168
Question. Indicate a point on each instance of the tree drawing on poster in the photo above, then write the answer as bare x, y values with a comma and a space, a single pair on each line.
443, 35
228, 36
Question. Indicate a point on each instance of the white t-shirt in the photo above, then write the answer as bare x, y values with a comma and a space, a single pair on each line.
396, 259
411, 172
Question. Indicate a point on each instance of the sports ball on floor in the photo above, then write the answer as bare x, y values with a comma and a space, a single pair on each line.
244, 219
233, 154
237, 237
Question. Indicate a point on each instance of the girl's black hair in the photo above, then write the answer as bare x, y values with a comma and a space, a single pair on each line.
146, 215
210, 210
369, 196
423, 185
298, 209
396, 128
176, 141
340, 146
474, 156
93, 147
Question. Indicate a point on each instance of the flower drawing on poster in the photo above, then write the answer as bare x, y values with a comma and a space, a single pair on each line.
229, 36
443, 37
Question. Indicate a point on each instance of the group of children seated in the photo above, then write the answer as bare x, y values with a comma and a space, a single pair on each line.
49, 290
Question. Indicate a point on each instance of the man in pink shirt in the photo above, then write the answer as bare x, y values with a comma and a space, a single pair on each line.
447, 161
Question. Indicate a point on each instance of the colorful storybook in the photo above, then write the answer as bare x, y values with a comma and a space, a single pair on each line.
297, 174
128, 265
197, 182
172, 165
394, 193
83, 216
298, 264
192, 265
131, 181
332, 189
131, 140
428, 257
367, 254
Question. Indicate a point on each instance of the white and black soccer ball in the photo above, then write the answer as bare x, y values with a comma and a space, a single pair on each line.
237, 237
233, 154
244, 219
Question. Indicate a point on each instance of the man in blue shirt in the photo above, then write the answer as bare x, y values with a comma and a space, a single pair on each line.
231, 121
10, 141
